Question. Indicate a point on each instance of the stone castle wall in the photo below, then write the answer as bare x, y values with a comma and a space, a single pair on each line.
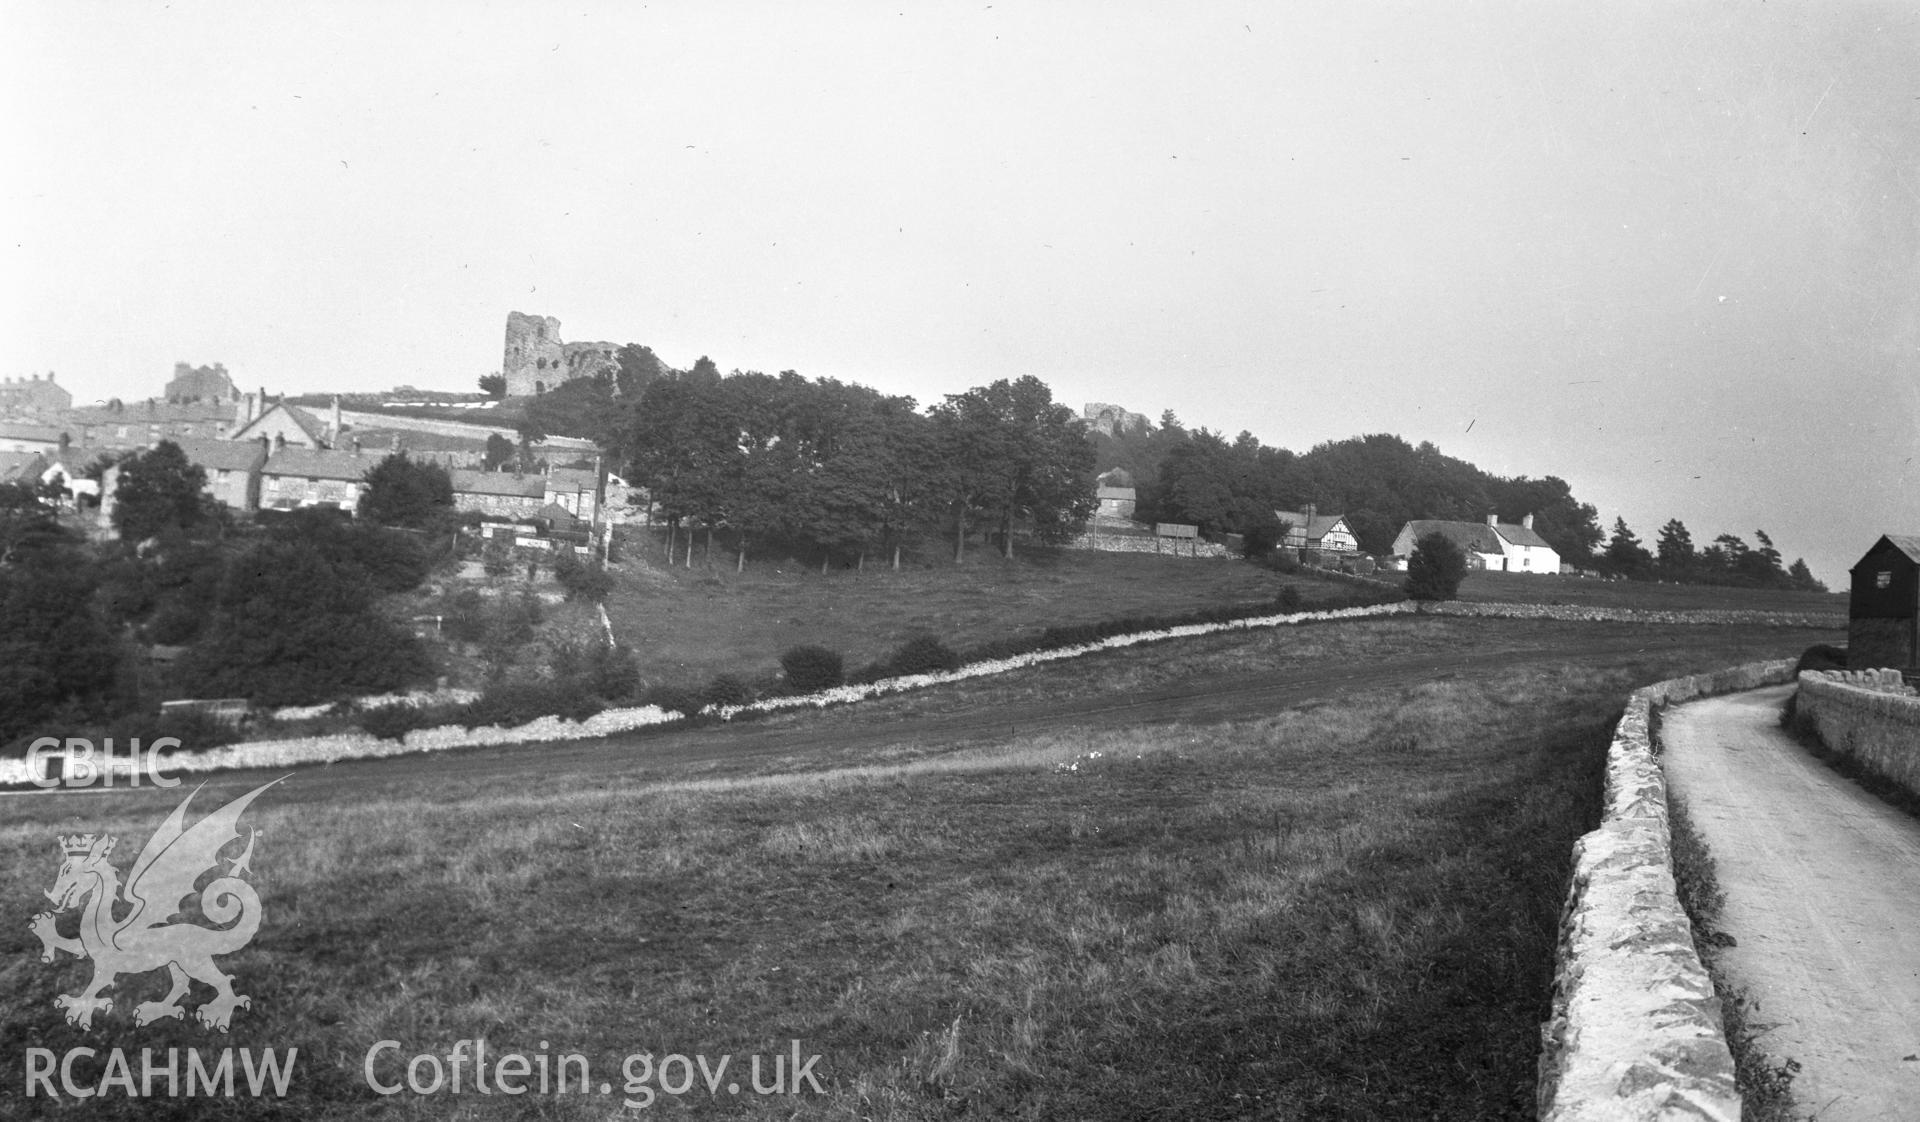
535, 359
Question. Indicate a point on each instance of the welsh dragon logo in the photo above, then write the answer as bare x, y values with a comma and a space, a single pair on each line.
142, 940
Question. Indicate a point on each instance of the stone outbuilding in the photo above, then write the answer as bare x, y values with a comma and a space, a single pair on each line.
1883, 611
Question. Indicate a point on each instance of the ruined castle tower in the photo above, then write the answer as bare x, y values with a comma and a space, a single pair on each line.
535, 360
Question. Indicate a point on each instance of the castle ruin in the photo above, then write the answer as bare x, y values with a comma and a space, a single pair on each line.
535, 360
1111, 419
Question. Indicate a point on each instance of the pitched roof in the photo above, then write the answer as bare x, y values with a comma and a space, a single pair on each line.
13, 430
149, 412
1477, 537
572, 479
497, 483
319, 463
306, 422
21, 466
1521, 535
224, 455
1314, 528
1908, 544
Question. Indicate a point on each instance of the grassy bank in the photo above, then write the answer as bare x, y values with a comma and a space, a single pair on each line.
1343, 910
691, 624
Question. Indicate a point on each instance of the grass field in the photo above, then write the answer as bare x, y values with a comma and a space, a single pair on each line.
691, 624
1528, 588
1341, 910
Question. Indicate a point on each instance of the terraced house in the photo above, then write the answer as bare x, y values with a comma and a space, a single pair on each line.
301, 477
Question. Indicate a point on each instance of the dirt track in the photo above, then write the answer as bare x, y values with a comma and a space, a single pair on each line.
1822, 882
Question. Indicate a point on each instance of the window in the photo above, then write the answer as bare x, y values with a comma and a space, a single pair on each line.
1883, 579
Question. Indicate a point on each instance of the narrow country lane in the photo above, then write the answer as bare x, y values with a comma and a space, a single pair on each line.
1822, 884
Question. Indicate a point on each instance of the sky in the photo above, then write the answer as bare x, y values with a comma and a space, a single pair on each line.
1669, 252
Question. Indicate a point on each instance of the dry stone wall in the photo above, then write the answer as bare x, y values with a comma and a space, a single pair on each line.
1636, 1030
1871, 717
1146, 543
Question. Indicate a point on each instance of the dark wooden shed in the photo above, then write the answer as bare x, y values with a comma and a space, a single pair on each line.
1883, 613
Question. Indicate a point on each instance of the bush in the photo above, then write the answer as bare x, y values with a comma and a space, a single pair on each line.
1289, 599
1821, 656
727, 689
1435, 569
394, 722
496, 557
923, 654
464, 619
517, 701
812, 668
582, 581
614, 673
673, 699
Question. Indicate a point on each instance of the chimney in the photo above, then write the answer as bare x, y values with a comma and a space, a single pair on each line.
257, 404
1493, 519
279, 442
333, 432
1527, 522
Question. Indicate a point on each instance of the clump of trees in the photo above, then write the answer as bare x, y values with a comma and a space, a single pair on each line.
840, 471
1728, 560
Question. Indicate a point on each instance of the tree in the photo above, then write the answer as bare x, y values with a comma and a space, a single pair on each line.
638, 367
1802, 577
1015, 456
406, 492
1762, 565
683, 445
1436, 568
158, 491
1676, 548
292, 627
1624, 552
57, 656
493, 385
499, 453
29, 525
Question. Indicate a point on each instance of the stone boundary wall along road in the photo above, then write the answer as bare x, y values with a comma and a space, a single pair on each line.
1636, 1030
1871, 717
